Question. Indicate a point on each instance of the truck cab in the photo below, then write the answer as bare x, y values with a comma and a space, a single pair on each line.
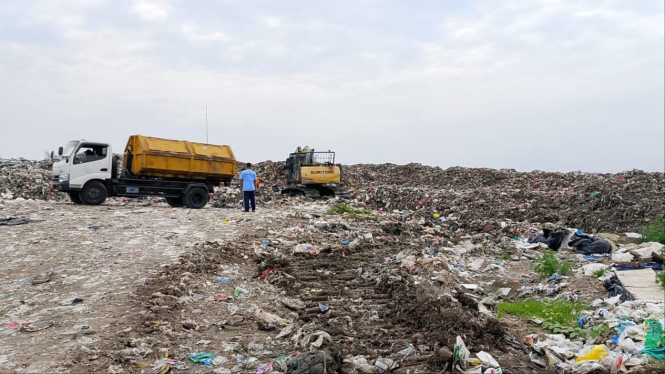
79, 163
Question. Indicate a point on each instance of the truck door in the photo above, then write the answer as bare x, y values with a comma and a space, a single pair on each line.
90, 161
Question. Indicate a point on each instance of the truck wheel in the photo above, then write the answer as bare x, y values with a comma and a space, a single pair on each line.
74, 196
93, 193
175, 202
196, 198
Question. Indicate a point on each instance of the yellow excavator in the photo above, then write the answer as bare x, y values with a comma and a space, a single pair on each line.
313, 174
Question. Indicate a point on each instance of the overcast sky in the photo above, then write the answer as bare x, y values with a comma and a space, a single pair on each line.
524, 84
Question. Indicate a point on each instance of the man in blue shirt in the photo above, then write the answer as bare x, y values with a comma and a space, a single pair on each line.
247, 180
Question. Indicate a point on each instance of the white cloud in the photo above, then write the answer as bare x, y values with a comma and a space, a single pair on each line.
272, 22
197, 33
150, 10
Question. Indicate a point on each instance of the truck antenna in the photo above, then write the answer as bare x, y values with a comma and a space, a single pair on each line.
206, 124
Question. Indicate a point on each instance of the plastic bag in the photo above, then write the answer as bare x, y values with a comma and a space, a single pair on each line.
487, 359
460, 354
655, 336
588, 367
657, 353
595, 354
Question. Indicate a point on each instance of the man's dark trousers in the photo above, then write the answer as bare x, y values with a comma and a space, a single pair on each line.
249, 197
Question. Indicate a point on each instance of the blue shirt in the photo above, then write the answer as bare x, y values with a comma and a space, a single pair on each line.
248, 178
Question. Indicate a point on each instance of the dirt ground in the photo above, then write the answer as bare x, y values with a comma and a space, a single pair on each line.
113, 288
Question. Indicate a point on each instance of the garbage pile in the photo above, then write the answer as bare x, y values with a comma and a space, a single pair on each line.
598, 202
374, 294
476, 199
20, 178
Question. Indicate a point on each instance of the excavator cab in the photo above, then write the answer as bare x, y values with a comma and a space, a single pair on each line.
312, 173
307, 163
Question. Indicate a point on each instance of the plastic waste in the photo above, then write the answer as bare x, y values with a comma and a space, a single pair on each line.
361, 364
233, 309
270, 318
264, 368
460, 353
407, 351
595, 354
588, 367
628, 345
238, 291
474, 370
201, 358
487, 359
385, 364
655, 336
657, 353
306, 248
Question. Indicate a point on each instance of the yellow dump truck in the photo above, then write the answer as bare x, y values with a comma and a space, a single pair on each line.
182, 172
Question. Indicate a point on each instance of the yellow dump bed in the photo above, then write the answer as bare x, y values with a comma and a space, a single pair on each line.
155, 157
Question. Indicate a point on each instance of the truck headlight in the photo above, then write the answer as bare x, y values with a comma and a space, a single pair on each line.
63, 177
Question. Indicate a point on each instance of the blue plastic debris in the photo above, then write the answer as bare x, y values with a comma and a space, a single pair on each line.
201, 358
224, 280
345, 242
553, 277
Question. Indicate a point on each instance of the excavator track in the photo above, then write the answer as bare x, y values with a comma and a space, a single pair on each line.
312, 193
341, 192
315, 192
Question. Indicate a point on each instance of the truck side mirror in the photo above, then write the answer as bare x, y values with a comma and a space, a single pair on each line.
59, 151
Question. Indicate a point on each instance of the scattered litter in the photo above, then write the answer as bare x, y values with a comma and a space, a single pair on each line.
201, 358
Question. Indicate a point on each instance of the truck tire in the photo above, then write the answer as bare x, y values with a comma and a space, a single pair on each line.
175, 202
74, 196
196, 198
93, 193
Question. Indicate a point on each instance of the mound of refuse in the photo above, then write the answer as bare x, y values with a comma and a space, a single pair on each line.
475, 200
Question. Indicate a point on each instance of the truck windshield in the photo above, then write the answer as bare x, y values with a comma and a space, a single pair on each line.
69, 148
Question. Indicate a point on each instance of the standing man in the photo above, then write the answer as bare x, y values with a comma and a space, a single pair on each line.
247, 180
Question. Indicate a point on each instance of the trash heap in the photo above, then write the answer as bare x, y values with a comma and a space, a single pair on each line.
20, 178
408, 275
374, 294
598, 202
477, 197
477, 200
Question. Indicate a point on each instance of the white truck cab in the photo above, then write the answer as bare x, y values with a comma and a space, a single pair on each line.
80, 162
